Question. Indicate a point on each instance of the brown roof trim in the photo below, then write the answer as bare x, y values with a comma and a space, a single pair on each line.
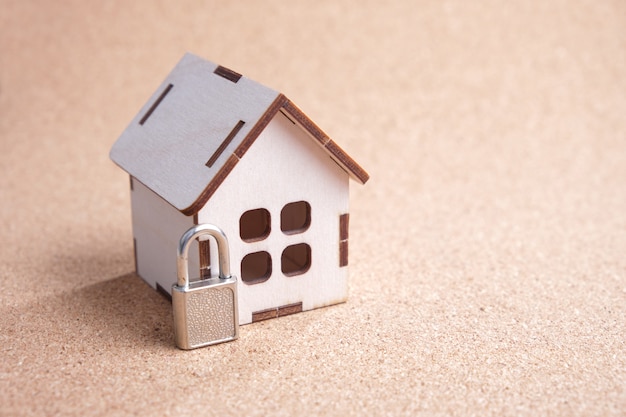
212, 187
260, 125
344, 160
308, 124
338, 154
236, 156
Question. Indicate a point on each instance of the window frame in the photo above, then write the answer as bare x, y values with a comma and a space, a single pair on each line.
244, 225
303, 267
291, 209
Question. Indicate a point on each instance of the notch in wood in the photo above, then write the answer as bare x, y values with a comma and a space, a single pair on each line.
225, 143
155, 104
227, 73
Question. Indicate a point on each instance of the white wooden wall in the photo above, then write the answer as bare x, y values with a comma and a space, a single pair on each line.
157, 228
284, 165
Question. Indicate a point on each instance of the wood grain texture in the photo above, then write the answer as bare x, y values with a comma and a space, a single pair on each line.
300, 118
338, 154
347, 162
289, 309
271, 313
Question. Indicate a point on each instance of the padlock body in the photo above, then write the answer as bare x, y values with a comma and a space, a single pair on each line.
205, 313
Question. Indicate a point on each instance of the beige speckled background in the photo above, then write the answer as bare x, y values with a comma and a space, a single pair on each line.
488, 251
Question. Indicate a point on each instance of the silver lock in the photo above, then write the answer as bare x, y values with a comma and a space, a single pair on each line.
205, 311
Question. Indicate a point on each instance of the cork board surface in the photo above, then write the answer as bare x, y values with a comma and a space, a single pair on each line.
487, 252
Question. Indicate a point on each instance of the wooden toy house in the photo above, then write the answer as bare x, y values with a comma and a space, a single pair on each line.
212, 146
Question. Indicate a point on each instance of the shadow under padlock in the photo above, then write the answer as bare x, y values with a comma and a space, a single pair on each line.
205, 311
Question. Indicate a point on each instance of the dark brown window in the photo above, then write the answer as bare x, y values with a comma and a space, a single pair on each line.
295, 217
256, 267
296, 259
254, 225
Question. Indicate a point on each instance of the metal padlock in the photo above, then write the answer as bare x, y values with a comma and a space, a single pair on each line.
205, 311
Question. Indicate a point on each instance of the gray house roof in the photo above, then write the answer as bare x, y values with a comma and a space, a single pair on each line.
196, 127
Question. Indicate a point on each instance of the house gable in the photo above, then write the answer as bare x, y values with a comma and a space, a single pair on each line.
284, 167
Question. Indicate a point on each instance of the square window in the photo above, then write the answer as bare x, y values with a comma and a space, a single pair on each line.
295, 217
296, 259
256, 267
254, 225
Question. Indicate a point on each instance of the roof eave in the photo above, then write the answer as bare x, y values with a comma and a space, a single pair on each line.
344, 160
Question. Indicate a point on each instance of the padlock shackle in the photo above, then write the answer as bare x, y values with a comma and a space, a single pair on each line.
182, 261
